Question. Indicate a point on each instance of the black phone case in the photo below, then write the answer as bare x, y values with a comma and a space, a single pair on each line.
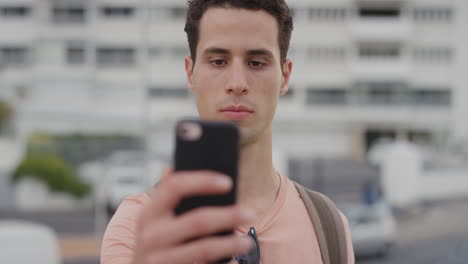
218, 150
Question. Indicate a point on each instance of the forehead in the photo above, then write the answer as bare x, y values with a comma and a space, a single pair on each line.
234, 28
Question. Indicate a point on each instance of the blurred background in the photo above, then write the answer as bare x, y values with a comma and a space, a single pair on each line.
376, 118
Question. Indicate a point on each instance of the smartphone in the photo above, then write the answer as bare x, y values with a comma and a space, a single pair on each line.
204, 145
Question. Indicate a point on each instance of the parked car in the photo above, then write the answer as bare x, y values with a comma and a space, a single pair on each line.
372, 227
126, 173
122, 182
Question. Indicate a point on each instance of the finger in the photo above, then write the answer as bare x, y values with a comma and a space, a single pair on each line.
205, 250
180, 185
194, 224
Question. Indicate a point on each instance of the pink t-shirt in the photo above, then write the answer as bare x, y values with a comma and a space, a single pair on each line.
286, 233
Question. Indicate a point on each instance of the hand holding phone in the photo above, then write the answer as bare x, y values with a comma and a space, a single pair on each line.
166, 237
208, 146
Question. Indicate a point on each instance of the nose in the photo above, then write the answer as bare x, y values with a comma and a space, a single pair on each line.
237, 80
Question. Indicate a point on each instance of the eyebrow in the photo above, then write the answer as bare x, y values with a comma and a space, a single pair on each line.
217, 51
261, 52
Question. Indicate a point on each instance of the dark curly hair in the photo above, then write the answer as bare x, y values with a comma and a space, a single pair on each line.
277, 8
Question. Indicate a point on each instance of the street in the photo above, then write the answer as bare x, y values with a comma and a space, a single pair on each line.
432, 235
434, 251
429, 235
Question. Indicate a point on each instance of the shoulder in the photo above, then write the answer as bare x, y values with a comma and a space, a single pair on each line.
323, 210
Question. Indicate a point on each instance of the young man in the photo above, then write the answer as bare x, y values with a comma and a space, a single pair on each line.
237, 70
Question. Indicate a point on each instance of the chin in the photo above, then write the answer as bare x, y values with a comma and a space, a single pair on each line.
247, 136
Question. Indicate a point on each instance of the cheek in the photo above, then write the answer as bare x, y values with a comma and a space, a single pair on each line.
270, 88
205, 98
206, 80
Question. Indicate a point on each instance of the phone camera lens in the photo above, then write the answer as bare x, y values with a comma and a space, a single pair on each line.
189, 131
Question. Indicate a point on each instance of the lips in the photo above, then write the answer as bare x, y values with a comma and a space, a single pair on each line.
236, 108
236, 112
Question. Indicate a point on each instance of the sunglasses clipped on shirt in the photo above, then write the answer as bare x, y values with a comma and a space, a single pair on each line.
253, 256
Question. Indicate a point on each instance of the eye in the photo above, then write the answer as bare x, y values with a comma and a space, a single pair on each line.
218, 62
256, 64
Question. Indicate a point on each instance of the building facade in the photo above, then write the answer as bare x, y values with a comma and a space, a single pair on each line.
363, 70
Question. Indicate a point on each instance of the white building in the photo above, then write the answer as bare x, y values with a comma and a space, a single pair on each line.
364, 69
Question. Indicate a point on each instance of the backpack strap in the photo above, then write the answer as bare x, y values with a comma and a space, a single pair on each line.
328, 226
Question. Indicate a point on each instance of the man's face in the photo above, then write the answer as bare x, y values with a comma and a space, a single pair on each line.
237, 75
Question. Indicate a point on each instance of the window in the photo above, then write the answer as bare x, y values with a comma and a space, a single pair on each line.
384, 9
382, 96
397, 93
175, 52
382, 93
15, 11
328, 13
68, 14
155, 52
425, 14
373, 136
119, 57
326, 97
168, 13
326, 53
431, 97
179, 52
76, 54
432, 55
420, 137
178, 12
379, 51
117, 12
13, 56
379, 12
168, 92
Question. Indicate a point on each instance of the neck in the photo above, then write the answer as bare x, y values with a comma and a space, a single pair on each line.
258, 181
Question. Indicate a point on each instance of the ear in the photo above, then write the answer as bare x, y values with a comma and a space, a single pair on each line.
189, 71
287, 70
